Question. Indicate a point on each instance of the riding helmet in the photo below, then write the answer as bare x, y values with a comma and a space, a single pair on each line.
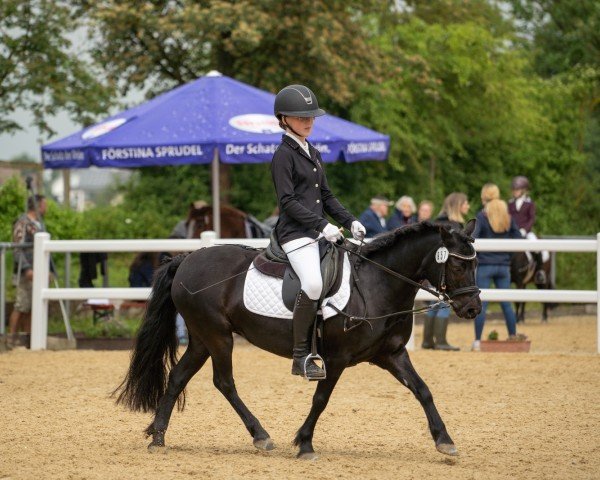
297, 101
520, 183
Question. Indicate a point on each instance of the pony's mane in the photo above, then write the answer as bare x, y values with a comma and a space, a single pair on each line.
389, 239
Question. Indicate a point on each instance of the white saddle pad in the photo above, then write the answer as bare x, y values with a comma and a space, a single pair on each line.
262, 294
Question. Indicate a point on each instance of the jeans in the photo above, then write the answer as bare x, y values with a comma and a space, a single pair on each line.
500, 274
439, 311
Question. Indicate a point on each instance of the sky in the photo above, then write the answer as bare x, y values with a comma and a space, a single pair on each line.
28, 140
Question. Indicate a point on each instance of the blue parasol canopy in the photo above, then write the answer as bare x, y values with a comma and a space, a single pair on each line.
214, 115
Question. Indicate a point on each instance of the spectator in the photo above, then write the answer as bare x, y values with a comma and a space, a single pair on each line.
494, 221
455, 206
425, 211
24, 229
373, 218
404, 213
489, 191
522, 210
142, 269
435, 326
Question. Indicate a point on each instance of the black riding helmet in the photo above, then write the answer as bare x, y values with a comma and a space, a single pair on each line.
297, 101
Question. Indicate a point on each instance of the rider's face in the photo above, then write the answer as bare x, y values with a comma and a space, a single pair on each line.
302, 126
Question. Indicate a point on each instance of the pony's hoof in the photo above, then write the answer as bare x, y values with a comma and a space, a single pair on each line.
154, 448
308, 456
447, 449
264, 444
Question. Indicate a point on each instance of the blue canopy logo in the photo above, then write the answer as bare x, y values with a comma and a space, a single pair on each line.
256, 123
102, 128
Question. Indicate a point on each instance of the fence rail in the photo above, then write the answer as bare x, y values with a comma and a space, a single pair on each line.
43, 246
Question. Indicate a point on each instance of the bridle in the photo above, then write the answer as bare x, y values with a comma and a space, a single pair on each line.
442, 255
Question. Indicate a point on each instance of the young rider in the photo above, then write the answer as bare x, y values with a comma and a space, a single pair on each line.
522, 209
304, 198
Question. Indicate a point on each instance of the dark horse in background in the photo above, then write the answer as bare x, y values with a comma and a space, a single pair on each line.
522, 273
234, 223
215, 312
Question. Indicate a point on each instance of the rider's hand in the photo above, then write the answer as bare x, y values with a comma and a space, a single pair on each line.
358, 230
332, 233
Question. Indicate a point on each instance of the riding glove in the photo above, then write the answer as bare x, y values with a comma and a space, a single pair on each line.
332, 233
358, 230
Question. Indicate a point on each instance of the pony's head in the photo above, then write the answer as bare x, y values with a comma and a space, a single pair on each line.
456, 262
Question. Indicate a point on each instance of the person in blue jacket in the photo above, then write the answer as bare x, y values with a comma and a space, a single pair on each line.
494, 221
374, 217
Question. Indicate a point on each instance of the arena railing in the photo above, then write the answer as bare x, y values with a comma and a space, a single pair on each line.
44, 246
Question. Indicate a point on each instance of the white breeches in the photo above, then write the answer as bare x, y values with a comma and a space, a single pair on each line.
545, 253
306, 262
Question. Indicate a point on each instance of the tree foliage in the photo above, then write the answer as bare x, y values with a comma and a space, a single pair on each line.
40, 71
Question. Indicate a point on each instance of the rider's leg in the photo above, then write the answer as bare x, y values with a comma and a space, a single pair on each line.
540, 274
304, 257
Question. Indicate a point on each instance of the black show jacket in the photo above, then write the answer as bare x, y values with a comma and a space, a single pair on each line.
302, 193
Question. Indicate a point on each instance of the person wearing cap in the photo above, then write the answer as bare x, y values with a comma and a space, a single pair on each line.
373, 218
404, 213
304, 198
522, 209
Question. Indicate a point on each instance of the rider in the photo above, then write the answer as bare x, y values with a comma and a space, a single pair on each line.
522, 209
304, 198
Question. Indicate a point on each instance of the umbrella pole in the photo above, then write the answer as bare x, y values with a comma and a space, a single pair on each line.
216, 194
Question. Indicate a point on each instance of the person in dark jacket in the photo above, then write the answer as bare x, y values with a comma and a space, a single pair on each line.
494, 221
304, 198
373, 218
404, 213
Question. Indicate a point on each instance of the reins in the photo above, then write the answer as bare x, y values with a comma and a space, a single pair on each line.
444, 299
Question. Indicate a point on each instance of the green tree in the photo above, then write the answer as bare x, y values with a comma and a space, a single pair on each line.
39, 69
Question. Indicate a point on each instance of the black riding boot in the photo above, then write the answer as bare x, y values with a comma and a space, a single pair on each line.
540, 273
427, 333
305, 311
440, 328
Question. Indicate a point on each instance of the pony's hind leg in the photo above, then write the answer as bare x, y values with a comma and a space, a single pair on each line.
192, 360
220, 351
400, 366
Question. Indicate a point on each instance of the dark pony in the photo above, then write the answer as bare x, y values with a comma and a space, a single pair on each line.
522, 273
215, 311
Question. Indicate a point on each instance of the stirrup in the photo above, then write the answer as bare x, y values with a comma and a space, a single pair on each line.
313, 357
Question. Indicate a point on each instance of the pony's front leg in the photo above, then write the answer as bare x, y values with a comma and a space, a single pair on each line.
400, 366
320, 398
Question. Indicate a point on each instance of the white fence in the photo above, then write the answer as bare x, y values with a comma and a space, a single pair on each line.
43, 247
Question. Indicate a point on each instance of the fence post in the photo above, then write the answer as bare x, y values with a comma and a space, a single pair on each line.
598, 293
39, 305
208, 238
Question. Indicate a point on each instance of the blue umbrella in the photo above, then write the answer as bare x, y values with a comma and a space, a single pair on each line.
210, 119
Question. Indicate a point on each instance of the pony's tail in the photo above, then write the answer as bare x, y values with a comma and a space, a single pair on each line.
155, 351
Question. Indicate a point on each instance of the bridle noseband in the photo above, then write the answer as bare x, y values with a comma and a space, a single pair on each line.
443, 258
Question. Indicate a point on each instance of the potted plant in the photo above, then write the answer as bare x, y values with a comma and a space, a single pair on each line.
515, 343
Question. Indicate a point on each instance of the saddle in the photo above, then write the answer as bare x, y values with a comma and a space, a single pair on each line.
274, 262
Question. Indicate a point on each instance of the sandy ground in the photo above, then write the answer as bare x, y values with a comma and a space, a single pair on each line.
533, 416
